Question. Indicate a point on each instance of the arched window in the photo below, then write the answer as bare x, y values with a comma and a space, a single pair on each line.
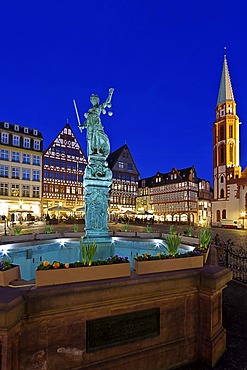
218, 215
222, 193
222, 179
224, 213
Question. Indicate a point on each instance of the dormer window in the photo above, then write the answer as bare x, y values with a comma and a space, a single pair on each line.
26, 130
6, 124
35, 132
16, 127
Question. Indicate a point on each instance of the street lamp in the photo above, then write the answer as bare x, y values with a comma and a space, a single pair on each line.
243, 215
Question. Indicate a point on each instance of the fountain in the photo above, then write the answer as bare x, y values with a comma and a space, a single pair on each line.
97, 177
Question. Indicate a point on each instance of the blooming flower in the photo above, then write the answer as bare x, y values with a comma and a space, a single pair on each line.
56, 265
46, 263
66, 265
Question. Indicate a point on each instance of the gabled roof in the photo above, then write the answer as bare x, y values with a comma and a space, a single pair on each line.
225, 91
63, 139
118, 155
183, 174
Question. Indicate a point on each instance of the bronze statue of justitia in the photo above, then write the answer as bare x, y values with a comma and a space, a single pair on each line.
97, 140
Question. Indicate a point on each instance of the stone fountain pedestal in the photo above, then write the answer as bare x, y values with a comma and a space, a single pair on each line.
97, 181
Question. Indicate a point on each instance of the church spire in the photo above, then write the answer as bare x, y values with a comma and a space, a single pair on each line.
225, 91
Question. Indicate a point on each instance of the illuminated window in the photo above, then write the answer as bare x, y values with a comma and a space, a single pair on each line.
120, 165
4, 138
15, 157
4, 189
4, 171
26, 174
36, 160
15, 190
26, 142
26, 158
35, 191
15, 172
36, 175
36, 144
25, 190
16, 140
4, 155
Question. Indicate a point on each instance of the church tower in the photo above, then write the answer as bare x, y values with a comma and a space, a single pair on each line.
225, 141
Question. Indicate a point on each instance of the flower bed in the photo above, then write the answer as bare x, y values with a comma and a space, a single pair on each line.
147, 264
60, 273
8, 273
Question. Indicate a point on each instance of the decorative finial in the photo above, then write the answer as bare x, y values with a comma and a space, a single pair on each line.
224, 51
67, 121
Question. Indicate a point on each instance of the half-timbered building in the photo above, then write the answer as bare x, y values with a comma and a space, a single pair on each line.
125, 176
176, 196
63, 167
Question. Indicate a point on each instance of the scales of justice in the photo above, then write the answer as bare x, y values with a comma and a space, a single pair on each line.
98, 176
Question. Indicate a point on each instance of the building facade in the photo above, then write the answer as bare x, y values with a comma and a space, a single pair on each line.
230, 183
20, 172
177, 196
63, 167
125, 176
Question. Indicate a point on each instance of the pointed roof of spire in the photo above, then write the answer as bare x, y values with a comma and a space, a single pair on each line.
225, 91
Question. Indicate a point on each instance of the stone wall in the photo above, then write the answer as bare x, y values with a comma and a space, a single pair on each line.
50, 328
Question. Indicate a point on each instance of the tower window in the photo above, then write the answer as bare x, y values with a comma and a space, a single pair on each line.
230, 131
222, 154
222, 193
231, 153
222, 179
222, 132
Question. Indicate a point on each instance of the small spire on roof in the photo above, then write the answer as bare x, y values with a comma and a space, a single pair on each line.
67, 121
225, 90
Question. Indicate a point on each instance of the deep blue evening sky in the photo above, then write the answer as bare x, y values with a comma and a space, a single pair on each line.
164, 59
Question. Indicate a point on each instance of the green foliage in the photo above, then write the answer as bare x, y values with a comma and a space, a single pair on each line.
48, 229
5, 265
88, 251
172, 230
76, 228
126, 227
173, 242
46, 265
17, 230
149, 229
190, 231
205, 236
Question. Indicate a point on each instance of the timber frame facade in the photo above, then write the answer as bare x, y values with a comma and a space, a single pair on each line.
63, 167
125, 176
176, 196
